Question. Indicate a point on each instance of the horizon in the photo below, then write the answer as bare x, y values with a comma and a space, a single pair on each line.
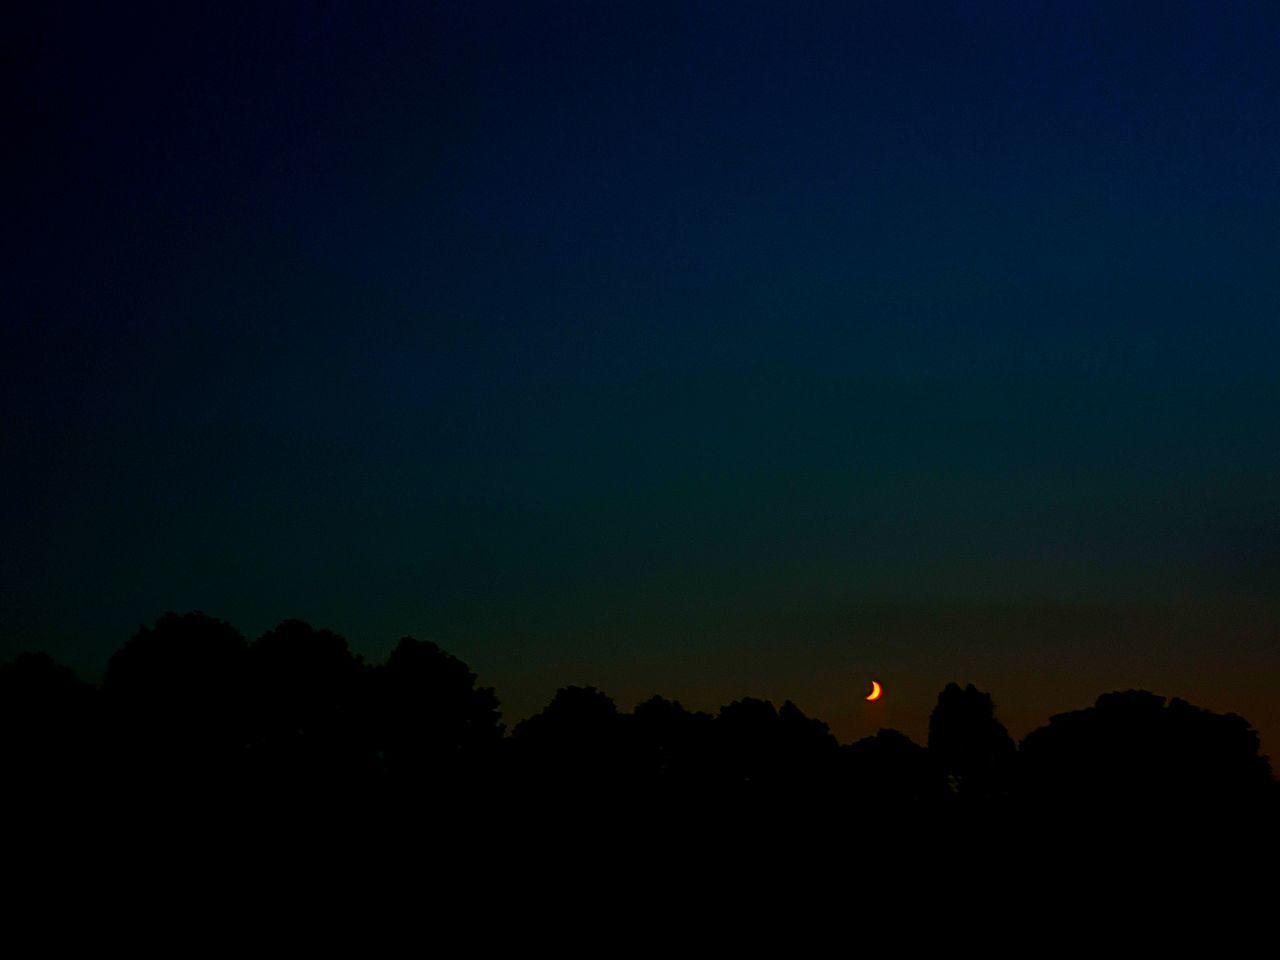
850, 719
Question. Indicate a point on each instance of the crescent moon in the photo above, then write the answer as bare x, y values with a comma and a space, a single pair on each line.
876, 693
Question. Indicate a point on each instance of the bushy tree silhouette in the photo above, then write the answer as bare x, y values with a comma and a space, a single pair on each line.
770, 748
578, 741
1136, 751
673, 746
808, 746
310, 706
433, 722
970, 746
890, 771
748, 741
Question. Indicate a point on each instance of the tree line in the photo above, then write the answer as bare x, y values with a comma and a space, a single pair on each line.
188, 704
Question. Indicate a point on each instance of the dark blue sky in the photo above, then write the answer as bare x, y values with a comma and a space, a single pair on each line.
709, 349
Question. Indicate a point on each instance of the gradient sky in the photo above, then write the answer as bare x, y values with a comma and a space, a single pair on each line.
709, 349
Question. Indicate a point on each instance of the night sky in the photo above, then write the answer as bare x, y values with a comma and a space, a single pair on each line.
709, 349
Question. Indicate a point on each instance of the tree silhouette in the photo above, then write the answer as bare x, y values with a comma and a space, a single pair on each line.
310, 705
889, 771
578, 741
673, 746
768, 748
749, 742
1135, 750
969, 745
433, 722
178, 699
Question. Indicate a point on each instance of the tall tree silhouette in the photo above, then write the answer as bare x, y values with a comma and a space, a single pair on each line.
968, 743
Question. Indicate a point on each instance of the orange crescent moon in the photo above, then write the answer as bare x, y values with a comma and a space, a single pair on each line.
876, 693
